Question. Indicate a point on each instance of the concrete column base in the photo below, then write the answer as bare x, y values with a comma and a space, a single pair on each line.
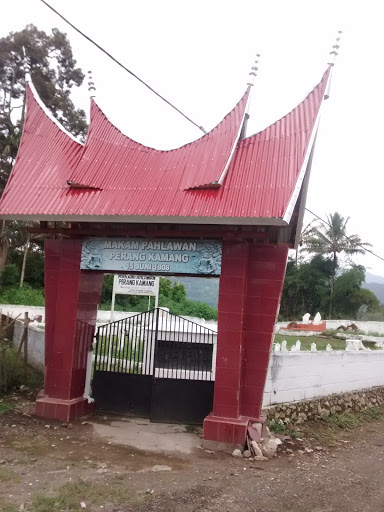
225, 431
220, 446
62, 410
226, 434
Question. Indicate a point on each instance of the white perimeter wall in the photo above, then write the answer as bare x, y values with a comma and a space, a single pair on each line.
292, 376
36, 344
296, 376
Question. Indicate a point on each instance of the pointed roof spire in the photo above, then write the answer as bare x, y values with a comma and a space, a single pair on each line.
334, 52
253, 72
91, 85
27, 68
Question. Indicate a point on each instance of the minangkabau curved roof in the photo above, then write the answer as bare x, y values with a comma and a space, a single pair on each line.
217, 179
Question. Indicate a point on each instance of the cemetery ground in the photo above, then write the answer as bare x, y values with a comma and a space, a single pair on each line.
335, 465
321, 341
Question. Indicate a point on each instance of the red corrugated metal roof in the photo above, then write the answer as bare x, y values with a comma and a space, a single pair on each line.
134, 183
111, 160
45, 159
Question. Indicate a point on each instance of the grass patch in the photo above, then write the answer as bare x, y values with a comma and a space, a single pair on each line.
321, 342
345, 420
192, 429
371, 414
123, 351
71, 495
5, 407
350, 420
306, 341
5, 506
279, 427
6, 475
13, 374
329, 429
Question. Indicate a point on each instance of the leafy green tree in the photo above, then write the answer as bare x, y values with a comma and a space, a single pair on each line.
306, 288
54, 72
171, 295
10, 275
332, 239
349, 297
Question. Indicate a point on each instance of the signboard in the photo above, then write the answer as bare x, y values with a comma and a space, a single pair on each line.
136, 285
152, 255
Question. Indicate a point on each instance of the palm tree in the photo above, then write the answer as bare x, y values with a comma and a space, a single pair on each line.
332, 238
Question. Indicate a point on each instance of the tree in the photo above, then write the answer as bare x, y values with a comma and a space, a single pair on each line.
332, 239
349, 297
306, 288
50, 61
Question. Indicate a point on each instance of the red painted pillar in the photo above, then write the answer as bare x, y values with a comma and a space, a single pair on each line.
251, 282
71, 300
266, 271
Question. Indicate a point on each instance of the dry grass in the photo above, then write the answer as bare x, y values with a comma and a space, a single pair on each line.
71, 495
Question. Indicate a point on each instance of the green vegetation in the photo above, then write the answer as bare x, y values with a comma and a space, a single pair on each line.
321, 341
171, 295
70, 495
307, 289
5, 407
12, 373
349, 420
321, 283
279, 427
331, 239
330, 429
132, 351
26, 296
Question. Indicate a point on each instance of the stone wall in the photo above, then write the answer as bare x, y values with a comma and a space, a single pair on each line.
298, 412
36, 343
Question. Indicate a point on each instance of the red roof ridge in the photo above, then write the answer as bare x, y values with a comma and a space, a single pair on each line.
46, 110
199, 139
203, 162
314, 89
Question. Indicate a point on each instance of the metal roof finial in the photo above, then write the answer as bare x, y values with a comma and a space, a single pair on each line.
27, 68
334, 52
91, 85
253, 72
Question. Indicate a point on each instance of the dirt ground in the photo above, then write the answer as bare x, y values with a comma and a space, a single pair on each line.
49, 466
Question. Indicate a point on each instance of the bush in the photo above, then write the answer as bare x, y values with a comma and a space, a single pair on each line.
12, 373
171, 295
26, 296
10, 275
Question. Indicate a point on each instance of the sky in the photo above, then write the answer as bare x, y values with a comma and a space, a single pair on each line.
198, 55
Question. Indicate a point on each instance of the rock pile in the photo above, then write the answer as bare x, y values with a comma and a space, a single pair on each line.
262, 451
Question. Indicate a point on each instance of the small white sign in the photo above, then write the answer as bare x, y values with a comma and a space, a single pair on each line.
136, 285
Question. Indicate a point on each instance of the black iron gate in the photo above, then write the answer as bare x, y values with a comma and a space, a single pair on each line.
155, 365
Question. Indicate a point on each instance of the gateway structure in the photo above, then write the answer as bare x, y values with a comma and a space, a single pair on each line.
225, 205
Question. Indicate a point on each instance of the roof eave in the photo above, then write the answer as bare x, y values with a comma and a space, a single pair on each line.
137, 219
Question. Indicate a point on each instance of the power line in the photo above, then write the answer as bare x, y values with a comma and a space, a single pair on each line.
345, 236
122, 66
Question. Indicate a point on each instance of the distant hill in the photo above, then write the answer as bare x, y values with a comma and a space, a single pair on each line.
201, 289
375, 284
207, 289
372, 278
